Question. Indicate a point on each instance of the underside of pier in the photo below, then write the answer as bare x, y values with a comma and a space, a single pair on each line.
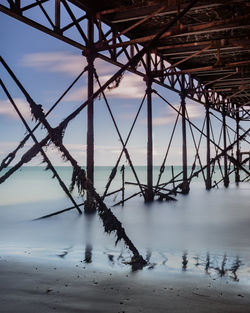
197, 49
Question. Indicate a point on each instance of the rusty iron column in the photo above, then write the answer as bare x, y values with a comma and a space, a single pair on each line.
185, 185
208, 178
226, 178
149, 193
18, 5
237, 171
57, 15
89, 205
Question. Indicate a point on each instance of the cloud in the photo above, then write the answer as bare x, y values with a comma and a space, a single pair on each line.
58, 62
78, 94
131, 87
168, 116
7, 146
158, 121
62, 62
127, 116
195, 111
7, 109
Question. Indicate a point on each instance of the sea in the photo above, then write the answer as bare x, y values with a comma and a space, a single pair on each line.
202, 232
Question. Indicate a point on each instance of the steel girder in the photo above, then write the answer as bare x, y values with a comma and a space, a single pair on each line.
112, 47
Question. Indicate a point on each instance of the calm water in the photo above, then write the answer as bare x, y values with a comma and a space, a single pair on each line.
201, 232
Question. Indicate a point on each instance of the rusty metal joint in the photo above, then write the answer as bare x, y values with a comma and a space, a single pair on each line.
183, 93
58, 30
90, 53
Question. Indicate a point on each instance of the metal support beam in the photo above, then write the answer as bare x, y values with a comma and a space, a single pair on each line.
237, 170
18, 4
149, 193
185, 185
57, 15
208, 178
112, 54
89, 207
226, 177
189, 30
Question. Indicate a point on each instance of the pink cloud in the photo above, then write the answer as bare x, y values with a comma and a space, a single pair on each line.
78, 94
194, 110
62, 62
131, 87
7, 109
59, 62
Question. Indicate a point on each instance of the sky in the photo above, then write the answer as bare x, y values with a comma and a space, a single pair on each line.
46, 66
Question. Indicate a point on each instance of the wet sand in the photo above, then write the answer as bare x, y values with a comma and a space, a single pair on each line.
29, 286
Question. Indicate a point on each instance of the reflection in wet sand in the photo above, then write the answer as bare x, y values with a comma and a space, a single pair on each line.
207, 263
216, 266
65, 252
235, 268
89, 219
184, 261
221, 266
88, 254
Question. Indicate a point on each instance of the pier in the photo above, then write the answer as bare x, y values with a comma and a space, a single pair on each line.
199, 50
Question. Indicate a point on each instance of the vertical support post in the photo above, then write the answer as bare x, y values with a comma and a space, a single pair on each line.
89, 206
123, 183
237, 171
132, 51
114, 49
149, 193
18, 4
226, 178
172, 170
185, 185
99, 26
208, 178
57, 15
161, 69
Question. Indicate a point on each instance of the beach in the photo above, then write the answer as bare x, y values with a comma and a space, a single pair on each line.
35, 286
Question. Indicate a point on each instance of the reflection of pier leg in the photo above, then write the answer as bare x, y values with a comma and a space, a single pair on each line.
88, 221
222, 270
148, 255
207, 263
235, 268
184, 261
88, 254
